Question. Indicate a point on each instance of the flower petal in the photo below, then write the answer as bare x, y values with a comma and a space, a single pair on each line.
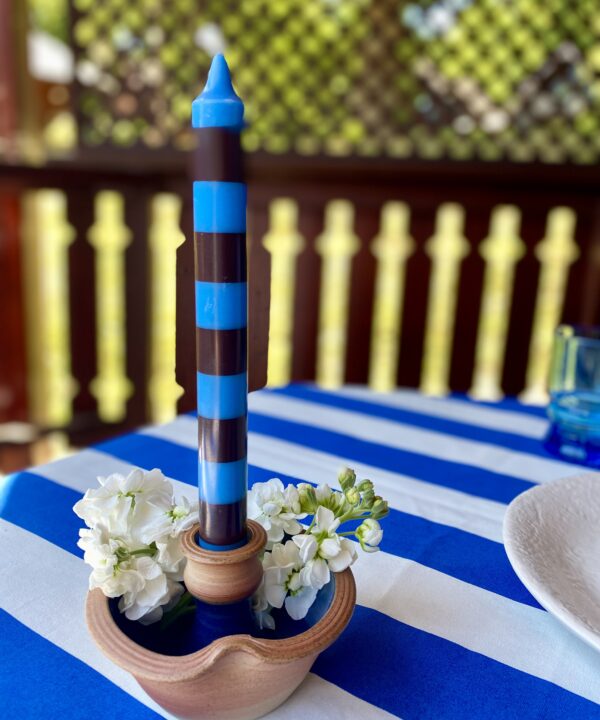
299, 604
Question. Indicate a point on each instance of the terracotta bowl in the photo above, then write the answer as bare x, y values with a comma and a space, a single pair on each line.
237, 677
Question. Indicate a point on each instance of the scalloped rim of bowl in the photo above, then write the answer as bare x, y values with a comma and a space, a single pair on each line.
548, 597
148, 665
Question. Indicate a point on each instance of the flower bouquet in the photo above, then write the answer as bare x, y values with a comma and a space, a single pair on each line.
132, 541
137, 538
299, 559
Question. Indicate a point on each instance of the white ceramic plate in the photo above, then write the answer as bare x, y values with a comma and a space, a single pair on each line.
552, 539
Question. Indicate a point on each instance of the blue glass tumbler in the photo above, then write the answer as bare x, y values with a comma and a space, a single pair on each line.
574, 408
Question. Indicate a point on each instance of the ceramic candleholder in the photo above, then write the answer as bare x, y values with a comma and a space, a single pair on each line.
225, 576
235, 677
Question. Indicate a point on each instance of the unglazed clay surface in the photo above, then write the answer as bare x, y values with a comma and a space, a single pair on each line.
198, 686
552, 539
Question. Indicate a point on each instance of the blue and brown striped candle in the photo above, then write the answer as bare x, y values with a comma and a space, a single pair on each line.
221, 311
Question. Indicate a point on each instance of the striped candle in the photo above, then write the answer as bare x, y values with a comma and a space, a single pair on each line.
221, 311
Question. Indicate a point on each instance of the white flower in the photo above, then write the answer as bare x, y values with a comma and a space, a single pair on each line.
315, 572
298, 604
340, 553
132, 542
152, 522
170, 557
285, 580
307, 545
324, 493
126, 505
145, 602
345, 557
99, 551
291, 498
369, 533
278, 567
262, 609
276, 508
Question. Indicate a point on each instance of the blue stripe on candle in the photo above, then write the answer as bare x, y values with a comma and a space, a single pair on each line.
221, 306
222, 397
219, 206
220, 548
223, 483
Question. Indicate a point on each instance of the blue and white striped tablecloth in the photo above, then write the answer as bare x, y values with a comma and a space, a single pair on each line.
443, 628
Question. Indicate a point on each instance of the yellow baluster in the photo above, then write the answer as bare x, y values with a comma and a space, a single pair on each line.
501, 250
556, 252
447, 248
392, 248
337, 245
284, 243
109, 236
165, 237
46, 237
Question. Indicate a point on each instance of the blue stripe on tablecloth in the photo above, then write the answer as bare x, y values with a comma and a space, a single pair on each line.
420, 660
455, 552
466, 430
466, 478
29, 500
36, 676
43, 507
435, 678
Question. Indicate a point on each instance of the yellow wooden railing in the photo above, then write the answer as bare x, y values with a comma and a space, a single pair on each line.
47, 235
110, 237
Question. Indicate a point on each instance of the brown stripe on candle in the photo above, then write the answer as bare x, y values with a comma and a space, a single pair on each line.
220, 257
222, 441
223, 524
218, 155
221, 352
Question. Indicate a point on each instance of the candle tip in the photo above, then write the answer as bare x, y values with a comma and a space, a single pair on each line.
218, 104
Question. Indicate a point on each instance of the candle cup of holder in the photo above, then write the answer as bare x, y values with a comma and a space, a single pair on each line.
235, 677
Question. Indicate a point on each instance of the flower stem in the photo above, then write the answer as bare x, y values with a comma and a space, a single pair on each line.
148, 552
185, 605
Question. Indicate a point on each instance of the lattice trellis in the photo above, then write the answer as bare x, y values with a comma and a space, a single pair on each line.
464, 79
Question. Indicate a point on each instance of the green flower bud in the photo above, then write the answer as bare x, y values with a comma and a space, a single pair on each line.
364, 486
380, 509
368, 498
353, 496
308, 498
346, 479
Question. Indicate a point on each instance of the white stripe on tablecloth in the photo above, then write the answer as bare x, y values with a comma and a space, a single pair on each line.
509, 632
79, 472
407, 437
433, 502
509, 421
46, 593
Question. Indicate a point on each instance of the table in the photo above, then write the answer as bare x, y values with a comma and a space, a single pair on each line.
443, 628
